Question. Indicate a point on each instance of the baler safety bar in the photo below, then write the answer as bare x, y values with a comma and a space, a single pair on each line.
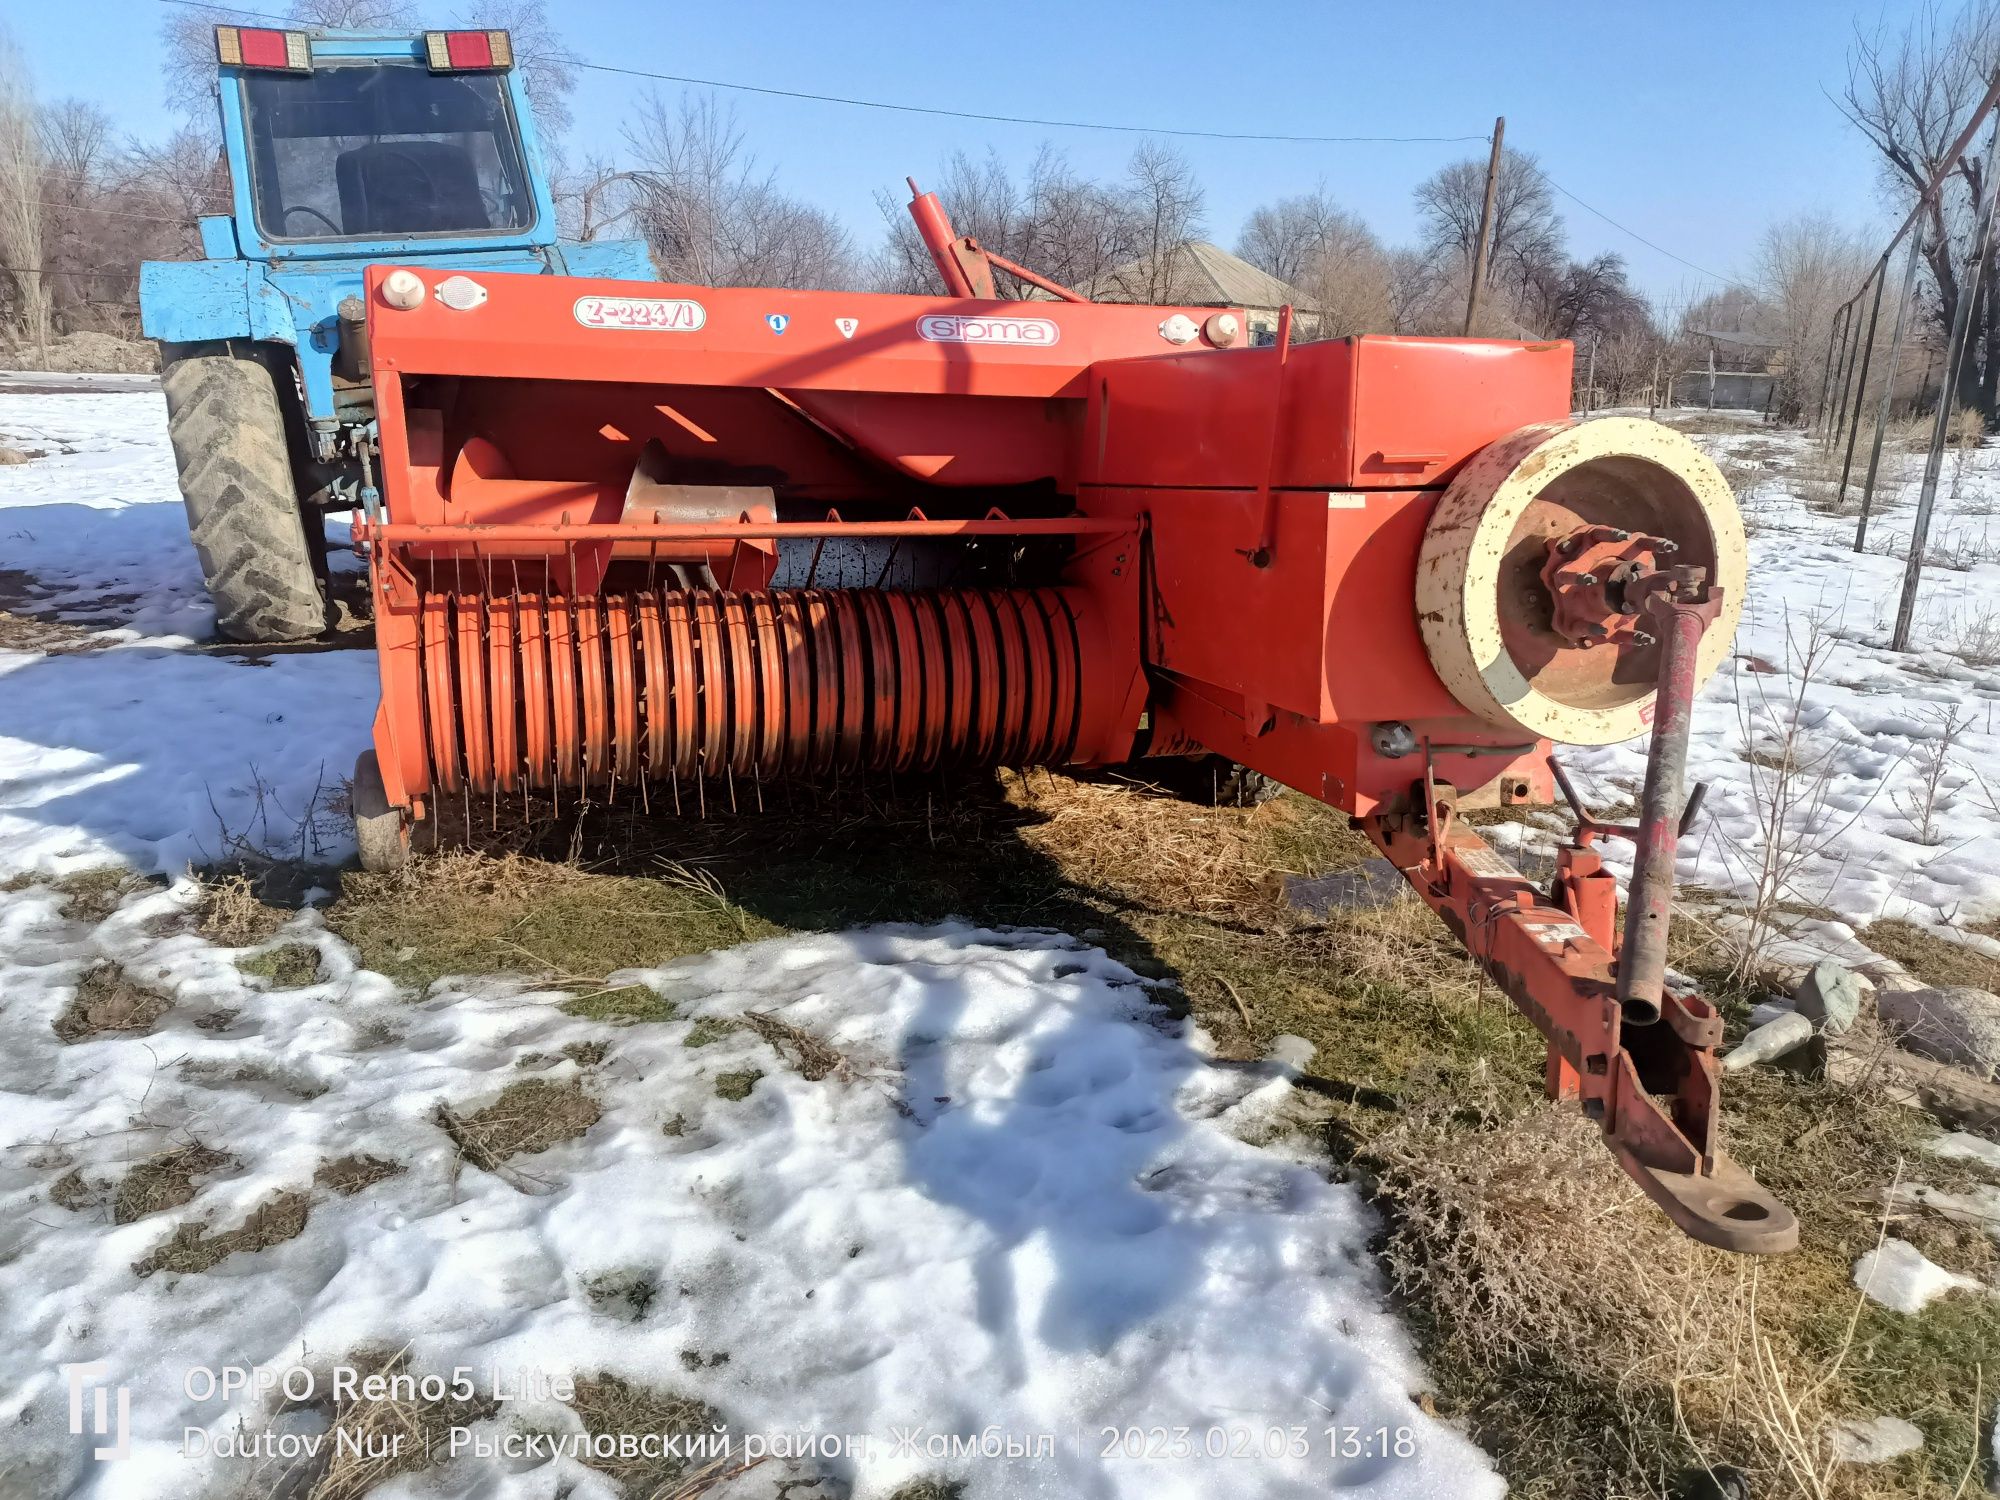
640, 531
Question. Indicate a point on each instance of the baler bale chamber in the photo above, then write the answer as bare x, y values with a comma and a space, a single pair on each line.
671, 545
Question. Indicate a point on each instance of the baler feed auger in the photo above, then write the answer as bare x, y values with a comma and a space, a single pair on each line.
668, 545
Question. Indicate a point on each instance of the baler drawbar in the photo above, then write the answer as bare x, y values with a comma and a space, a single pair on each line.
668, 541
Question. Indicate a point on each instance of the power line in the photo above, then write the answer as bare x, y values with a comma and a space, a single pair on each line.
951, 114
1054, 124
1634, 234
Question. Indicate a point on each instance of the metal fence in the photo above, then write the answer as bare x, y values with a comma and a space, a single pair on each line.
1845, 393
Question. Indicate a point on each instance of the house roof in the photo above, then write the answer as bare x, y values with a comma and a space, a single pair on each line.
1199, 275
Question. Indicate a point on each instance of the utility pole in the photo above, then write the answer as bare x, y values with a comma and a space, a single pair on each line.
1485, 228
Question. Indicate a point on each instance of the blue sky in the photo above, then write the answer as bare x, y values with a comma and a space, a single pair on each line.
1692, 123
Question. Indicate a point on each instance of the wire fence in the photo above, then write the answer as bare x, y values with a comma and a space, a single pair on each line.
1845, 398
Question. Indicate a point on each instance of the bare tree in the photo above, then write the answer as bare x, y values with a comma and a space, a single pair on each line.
1329, 257
548, 72
1527, 230
710, 217
187, 37
1807, 265
1084, 234
1909, 93
20, 198
1166, 204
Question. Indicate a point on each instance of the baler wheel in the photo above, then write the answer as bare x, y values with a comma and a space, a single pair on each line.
228, 432
379, 828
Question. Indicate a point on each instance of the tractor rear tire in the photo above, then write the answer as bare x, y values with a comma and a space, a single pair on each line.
379, 829
228, 432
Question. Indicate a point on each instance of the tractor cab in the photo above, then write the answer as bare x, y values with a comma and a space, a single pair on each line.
378, 149
345, 150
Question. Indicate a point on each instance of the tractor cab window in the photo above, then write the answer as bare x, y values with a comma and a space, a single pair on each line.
383, 150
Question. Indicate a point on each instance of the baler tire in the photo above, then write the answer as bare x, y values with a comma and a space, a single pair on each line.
379, 829
228, 435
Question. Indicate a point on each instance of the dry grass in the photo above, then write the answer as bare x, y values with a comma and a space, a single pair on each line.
107, 1000
165, 1181
1597, 1351
348, 1175
610, 1406
95, 894
624, 1005
46, 637
529, 1116
192, 1249
1937, 961
463, 912
289, 966
1163, 852
811, 1057
737, 1085
373, 1439
234, 916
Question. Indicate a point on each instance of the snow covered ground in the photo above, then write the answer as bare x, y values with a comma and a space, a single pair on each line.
1015, 1241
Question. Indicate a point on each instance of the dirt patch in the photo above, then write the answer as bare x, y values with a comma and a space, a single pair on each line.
610, 1406
627, 1005
45, 637
84, 352
529, 1116
166, 1181
348, 1175
624, 1295
108, 1001
192, 1249
737, 1085
1937, 961
587, 1054
289, 966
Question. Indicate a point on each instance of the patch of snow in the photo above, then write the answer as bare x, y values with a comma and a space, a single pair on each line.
1875, 1440
1901, 1277
1014, 1212
1959, 1145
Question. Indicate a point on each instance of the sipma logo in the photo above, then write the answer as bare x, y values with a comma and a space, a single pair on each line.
949, 328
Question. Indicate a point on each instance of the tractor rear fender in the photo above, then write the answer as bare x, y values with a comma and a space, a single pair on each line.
204, 301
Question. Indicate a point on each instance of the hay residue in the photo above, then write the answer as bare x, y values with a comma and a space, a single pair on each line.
107, 1000
529, 1116
348, 1175
192, 1249
165, 1181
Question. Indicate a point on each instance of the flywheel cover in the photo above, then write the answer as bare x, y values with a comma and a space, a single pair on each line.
1481, 605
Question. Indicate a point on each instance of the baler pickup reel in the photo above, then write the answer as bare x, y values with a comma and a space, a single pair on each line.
673, 542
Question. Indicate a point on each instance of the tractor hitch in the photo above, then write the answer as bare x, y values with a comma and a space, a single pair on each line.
1637, 1056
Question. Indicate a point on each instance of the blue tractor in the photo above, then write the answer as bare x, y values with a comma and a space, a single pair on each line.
345, 149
